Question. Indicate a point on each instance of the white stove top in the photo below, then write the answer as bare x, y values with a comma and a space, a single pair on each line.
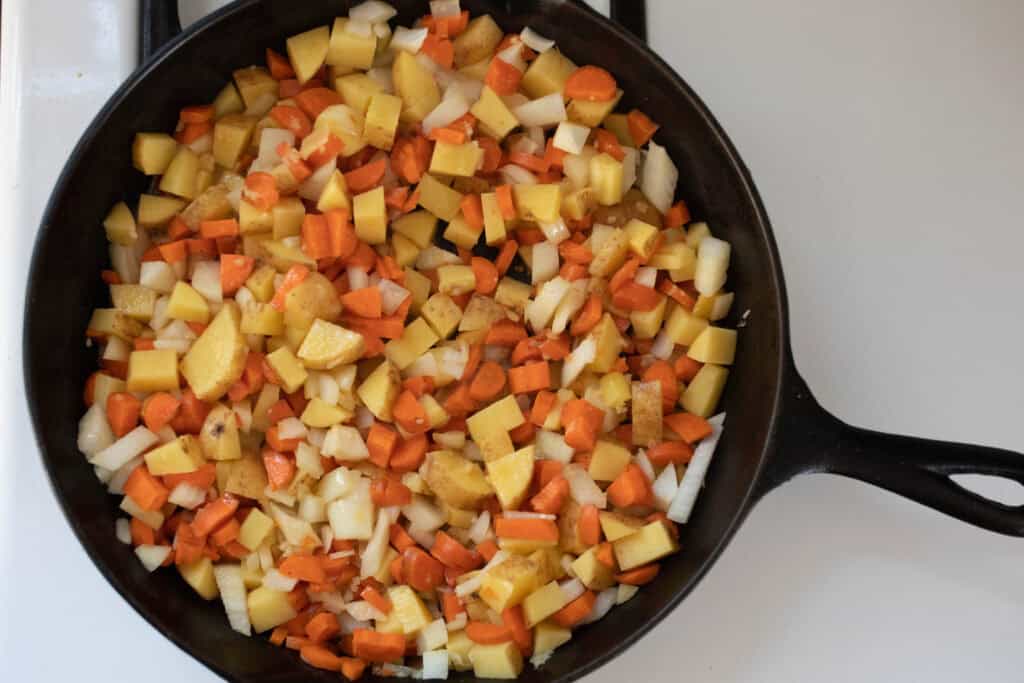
885, 140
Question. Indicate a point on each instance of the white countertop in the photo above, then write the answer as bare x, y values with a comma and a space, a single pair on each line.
885, 140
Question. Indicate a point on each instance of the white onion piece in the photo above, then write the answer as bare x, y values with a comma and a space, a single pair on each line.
102, 474
720, 308
270, 139
382, 76
345, 443
571, 137
556, 232
545, 111
313, 186
359, 28
328, 389
459, 622
535, 134
361, 610
338, 483
431, 637
582, 487
682, 505
124, 449
94, 433
313, 509
202, 144
469, 88
578, 359
659, 178
472, 585
602, 605
123, 530
332, 602
535, 41
364, 418
453, 359
357, 278
455, 441
125, 262
571, 304
372, 11
515, 514
206, 280
423, 514
513, 55
577, 170
665, 487
151, 518
422, 536
552, 446
307, 459
119, 477
291, 428
392, 296
511, 174
296, 531
625, 592
434, 257
663, 346
435, 665
187, 496
646, 276
473, 452
276, 581
629, 164
232, 594
480, 529
408, 39
440, 9
424, 366
152, 556
572, 589
712, 265
644, 464
373, 555
158, 276
453, 106
545, 261
540, 310
160, 318
382, 30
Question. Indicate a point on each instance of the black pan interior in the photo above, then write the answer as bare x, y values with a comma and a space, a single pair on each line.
64, 287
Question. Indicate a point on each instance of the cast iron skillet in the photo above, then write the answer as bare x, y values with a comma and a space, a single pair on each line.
775, 428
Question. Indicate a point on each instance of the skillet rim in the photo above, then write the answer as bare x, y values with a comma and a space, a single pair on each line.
641, 50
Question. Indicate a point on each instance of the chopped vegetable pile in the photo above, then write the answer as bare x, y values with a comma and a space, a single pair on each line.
379, 450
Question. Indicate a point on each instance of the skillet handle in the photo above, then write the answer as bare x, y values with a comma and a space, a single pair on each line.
632, 15
158, 23
810, 439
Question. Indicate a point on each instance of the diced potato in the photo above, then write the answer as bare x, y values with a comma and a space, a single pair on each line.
381, 121
107, 322
606, 179
252, 220
135, 301
313, 298
651, 543
455, 280
594, 574
542, 603
702, 395
494, 117
461, 519
307, 52
262, 319
349, 50
416, 86
683, 327
438, 198
482, 312
218, 438
156, 211
512, 294
417, 338
477, 71
508, 584
269, 608
283, 256
496, 661
261, 283
541, 203
702, 309
442, 314
461, 234
458, 649
619, 125
592, 114
510, 475
456, 160
456, 480
187, 304
357, 89
379, 390
616, 525
334, 194
489, 427
675, 257
255, 85
255, 529
643, 238
211, 204
153, 370
284, 363
217, 358
232, 134
547, 74
228, 101
647, 324
548, 636
246, 477
715, 345
328, 345
696, 233
412, 613
180, 176
524, 546
608, 460
181, 456
404, 250
609, 345
418, 226
152, 152
199, 575
615, 391
119, 225
577, 204
647, 413
320, 415
494, 222
478, 41
371, 216
612, 254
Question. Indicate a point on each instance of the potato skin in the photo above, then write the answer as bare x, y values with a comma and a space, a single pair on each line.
314, 297
457, 481
633, 205
217, 358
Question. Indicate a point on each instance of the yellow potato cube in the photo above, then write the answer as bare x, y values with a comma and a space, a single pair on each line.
320, 415
651, 543
496, 661
252, 220
152, 152
199, 575
217, 358
540, 203
180, 176
461, 519
647, 413
496, 120
695, 234
593, 573
510, 475
436, 414
412, 613
416, 86
135, 301
606, 179
478, 41
675, 257
288, 368
647, 324
246, 477
371, 216
379, 390
612, 254
715, 345
442, 314
156, 211
508, 584
608, 460
181, 456
542, 603
512, 293
609, 345
456, 160
120, 225
255, 85
616, 525
547, 74
458, 649
548, 636
683, 327
477, 71
615, 391
577, 204
269, 608
703, 307
107, 322
438, 198
619, 125
228, 101
457, 481
262, 319
153, 370
419, 227
350, 50
307, 52
488, 426
702, 395
417, 338
335, 194
328, 345
592, 114
283, 256
643, 238
255, 529
381, 122
494, 221
522, 546
218, 437
405, 250
187, 304
461, 234
357, 89
105, 386
261, 283
455, 280
232, 135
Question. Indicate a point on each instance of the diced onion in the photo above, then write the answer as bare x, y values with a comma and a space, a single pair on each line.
333, 602
552, 446
712, 265
296, 531
423, 514
440, 9
646, 276
480, 530
345, 443
356, 27
455, 441
408, 39
571, 304
602, 605
435, 665
313, 186
152, 556
364, 418
126, 262
570, 137
94, 433
422, 536
545, 111
276, 581
578, 359
540, 311
682, 505
434, 257
124, 449
453, 106
515, 514
432, 636
291, 428
361, 610
659, 178
663, 345
202, 144
512, 174
328, 389
556, 232
459, 622
158, 276
372, 11
123, 530
179, 346
382, 76
513, 55
270, 140
629, 162
338, 483
625, 592
536, 41
545, 260
307, 459
154, 519
665, 487
187, 496
118, 478
392, 296
582, 487
572, 589
472, 585
373, 555
645, 464
233, 595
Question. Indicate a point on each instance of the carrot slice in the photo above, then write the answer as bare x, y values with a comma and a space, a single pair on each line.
590, 84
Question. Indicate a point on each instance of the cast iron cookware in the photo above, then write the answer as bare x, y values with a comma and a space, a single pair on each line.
775, 429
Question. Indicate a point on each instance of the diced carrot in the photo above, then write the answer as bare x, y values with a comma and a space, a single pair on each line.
292, 278
192, 132
677, 216
641, 128
315, 100
459, 403
543, 404
386, 492
142, 534
188, 545
409, 414
590, 84
292, 119
381, 441
280, 468
227, 533
196, 114
677, 294
320, 657
505, 333
260, 190
122, 412
451, 553
451, 606
555, 349
634, 297
322, 627
514, 619
502, 77
143, 344
400, 538
278, 635
365, 177
487, 549
529, 529
365, 302
506, 202
419, 385
575, 253
661, 371
588, 317
486, 633
529, 377
342, 237
279, 411
492, 154
446, 27
605, 141
605, 555
280, 68
576, 611
145, 489
303, 567
352, 668
174, 252
191, 414
488, 382
158, 410
550, 498
110, 277
296, 166
373, 596
639, 576
409, 454
227, 227
213, 514
329, 149
235, 269
472, 210
690, 428
530, 162
505, 256
363, 257
670, 452
630, 488
374, 646
396, 197
582, 423
523, 434
588, 527
421, 571
473, 363
441, 50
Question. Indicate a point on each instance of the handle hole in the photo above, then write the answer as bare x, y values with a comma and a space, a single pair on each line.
999, 489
